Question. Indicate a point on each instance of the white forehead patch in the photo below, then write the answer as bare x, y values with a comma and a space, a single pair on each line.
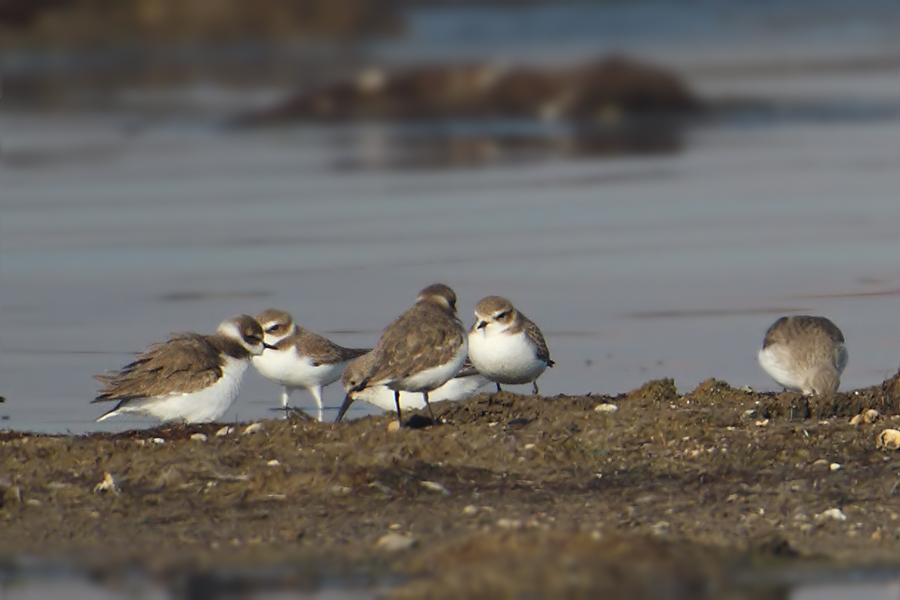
230, 329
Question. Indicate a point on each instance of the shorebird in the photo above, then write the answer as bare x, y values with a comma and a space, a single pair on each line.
465, 384
191, 378
419, 352
804, 353
505, 346
299, 358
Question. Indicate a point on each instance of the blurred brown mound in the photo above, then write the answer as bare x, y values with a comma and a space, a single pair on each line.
602, 91
95, 23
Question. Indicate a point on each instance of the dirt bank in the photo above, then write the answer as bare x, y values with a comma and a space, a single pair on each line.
511, 494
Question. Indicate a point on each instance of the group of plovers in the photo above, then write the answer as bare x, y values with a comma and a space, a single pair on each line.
425, 355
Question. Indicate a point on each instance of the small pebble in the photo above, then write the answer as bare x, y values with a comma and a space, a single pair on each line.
393, 426
395, 542
835, 466
606, 407
273, 463
199, 437
224, 431
471, 510
158, 440
505, 523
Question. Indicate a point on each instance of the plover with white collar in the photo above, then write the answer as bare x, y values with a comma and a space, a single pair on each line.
505, 346
419, 352
805, 354
191, 378
300, 358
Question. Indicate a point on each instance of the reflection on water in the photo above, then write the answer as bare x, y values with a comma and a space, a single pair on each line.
400, 148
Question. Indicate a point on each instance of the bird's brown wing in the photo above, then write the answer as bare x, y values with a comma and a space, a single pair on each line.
323, 351
185, 363
534, 334
421, 338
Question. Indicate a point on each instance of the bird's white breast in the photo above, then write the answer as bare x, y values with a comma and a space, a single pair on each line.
504, 357
458, 388
288, 368
776, 360
204, 406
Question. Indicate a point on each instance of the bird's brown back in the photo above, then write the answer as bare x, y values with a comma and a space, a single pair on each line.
185, 363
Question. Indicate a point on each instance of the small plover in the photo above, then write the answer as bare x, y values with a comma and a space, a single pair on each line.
419, 352
805, 354
465, 384
505, 346
191, 378
300, 358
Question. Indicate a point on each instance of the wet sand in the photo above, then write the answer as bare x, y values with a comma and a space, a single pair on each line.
510, 495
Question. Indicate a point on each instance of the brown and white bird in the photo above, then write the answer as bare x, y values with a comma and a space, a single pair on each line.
463, 385
420, 351
505, 346
804, 353
299, 358
191, 378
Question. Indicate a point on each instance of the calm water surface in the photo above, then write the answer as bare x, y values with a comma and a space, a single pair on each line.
635, 268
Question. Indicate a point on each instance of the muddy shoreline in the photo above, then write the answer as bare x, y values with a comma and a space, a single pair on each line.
512, 494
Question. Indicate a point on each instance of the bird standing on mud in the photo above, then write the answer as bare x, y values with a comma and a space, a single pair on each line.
299, 358
805, 353
191, 378
505, 345
420, 351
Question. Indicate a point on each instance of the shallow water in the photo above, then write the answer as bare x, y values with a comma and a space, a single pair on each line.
635, 268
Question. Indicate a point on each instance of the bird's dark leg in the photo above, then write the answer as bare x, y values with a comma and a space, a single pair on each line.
534, 388
499, 389
428, 404
397, 402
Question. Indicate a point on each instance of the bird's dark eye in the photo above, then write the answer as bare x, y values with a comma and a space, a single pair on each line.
274, 328
502, 315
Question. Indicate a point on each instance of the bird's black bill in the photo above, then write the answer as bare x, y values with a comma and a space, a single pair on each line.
269, 347
344, 407
481, 325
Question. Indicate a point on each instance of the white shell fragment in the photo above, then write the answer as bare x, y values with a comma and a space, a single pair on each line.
835, 514
199, 437
107, 485
253, 428
889, 439
224, 431
395, 542
434, 486
868, 416
606, 407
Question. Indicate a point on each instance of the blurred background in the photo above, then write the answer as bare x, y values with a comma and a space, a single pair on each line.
653, 182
